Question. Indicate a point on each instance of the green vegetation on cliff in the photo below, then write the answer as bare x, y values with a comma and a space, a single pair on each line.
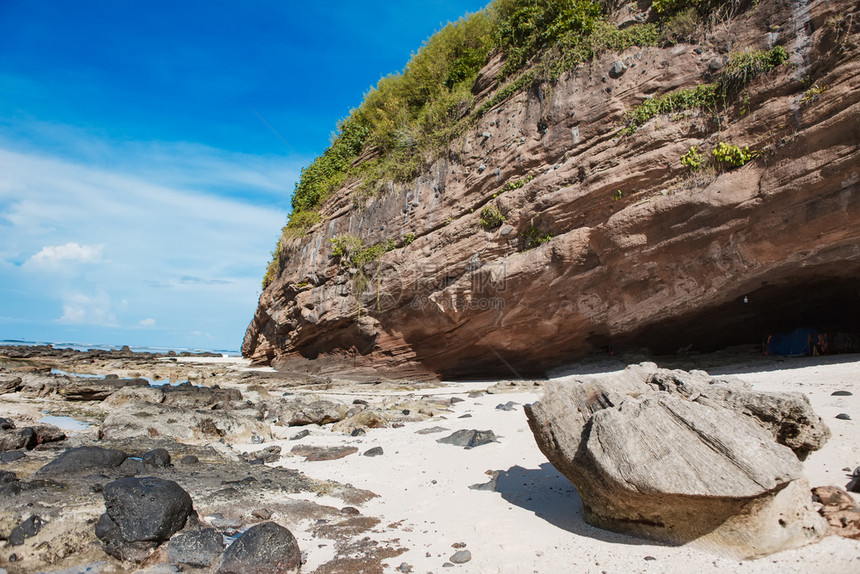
410, 118
741, 69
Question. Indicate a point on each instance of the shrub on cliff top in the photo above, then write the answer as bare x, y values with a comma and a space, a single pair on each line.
411, 116
524, 26
420, 110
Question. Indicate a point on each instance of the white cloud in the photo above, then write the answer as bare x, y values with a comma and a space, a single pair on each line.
149, 322
80, 309
188, 256
53, 255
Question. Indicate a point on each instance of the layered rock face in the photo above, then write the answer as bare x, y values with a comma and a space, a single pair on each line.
643, 251
679, 457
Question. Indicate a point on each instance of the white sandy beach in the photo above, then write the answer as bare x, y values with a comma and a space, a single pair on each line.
532, 523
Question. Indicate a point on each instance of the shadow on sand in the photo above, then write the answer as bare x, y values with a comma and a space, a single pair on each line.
551, 496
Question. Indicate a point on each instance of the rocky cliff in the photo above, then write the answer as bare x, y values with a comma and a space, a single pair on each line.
548, 231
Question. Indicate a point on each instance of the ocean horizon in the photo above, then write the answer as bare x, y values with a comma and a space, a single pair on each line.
111, 347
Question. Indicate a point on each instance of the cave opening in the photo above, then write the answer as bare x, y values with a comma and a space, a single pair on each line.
828, 305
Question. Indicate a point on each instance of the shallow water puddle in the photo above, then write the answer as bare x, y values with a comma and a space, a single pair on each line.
64, 422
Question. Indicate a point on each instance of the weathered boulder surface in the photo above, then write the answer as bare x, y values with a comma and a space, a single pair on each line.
267, 548
9, 383
136, 419
28, 437
76, 389
141, 513
787, 416
84, 459
643, 252
679, 466
469, 438
200, 548
300, 410
318, 453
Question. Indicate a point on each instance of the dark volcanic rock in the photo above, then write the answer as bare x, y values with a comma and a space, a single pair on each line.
854, 484
15, 439
83, 459
29, 437
318, 453
26, 529
267, 548
11, 456
7, 477
375, 451
131, 467
158, 458
47, 433
141, 513
200, 548
469, 438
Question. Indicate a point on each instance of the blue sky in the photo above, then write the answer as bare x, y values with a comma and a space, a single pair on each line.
148, 151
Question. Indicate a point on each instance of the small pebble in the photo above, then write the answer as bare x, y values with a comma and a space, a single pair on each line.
841, 394
843, 417
358, 432
262, 513
461, 557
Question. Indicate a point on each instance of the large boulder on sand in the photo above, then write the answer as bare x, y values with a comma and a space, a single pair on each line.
141, 513
266, 548
679, 463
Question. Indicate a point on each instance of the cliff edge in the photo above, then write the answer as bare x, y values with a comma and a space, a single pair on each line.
595, 211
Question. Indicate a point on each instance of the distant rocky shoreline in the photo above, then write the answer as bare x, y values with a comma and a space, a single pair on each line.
23, 351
